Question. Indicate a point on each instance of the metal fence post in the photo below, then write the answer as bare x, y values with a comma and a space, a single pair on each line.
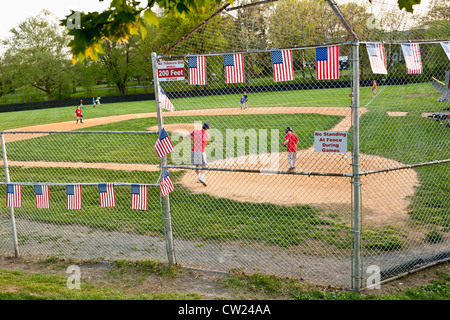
11, 209
356, 175
168, 217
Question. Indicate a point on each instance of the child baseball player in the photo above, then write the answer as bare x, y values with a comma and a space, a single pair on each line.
242, 100
78, 114
198, 155
291, 141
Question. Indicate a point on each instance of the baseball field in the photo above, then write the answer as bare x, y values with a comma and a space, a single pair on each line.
280, 210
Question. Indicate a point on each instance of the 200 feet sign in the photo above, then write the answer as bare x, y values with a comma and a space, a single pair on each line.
171, 70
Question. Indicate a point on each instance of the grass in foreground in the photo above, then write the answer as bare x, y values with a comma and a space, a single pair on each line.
128, 281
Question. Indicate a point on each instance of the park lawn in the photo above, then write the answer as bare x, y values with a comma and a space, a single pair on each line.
18, 119
126, 280
413, 97
24, 285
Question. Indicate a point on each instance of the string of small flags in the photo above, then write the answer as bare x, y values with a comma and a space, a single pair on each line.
326, 59
106, 191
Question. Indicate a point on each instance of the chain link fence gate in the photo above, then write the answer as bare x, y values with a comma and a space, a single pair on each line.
381, 201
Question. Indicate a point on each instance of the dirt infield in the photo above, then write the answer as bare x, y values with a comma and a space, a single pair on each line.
383, 199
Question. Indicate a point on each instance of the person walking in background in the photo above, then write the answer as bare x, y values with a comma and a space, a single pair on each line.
374, 88
242, 100
93, 102
81, 103
198, 156
98, 101
291, 141
78, 114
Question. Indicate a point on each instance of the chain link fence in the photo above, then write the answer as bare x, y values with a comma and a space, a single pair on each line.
375, 193
58, 159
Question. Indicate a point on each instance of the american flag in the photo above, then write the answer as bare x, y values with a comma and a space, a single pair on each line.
164, 100
42, 196
107, 195
163, 145
13, 195
377, 57
197, 70
234, 68
282, 65
327, 62
73, 195
446, 47
166, 185
411, 52
139, 196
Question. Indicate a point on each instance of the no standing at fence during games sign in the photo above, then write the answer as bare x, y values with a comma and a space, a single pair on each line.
170, 70
330, 141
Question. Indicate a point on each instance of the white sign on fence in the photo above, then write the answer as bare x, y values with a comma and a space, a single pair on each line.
330, 141
171, 70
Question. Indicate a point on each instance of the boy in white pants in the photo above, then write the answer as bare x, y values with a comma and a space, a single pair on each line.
291, 141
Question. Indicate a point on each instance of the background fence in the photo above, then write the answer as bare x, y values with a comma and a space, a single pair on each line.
383, 202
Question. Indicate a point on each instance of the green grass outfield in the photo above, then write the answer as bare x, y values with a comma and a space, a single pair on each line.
127, 148
411, 139
392, 98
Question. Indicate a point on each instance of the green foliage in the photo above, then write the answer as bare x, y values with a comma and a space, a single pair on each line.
36, 286
120, 22
408, 4
36, 57
434, 237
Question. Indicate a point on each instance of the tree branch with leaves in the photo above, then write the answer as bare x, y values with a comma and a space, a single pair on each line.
123, 19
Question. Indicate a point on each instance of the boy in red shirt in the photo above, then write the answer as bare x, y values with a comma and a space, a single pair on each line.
78, 114
291, 141
198, 156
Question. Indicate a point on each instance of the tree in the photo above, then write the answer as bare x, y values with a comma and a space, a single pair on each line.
6, 81
88, 74
117, 61
125, 18
38, 49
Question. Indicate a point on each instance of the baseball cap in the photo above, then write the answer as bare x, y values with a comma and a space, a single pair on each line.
206, 125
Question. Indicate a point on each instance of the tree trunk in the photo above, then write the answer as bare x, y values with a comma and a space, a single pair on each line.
48, 91
122, 88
